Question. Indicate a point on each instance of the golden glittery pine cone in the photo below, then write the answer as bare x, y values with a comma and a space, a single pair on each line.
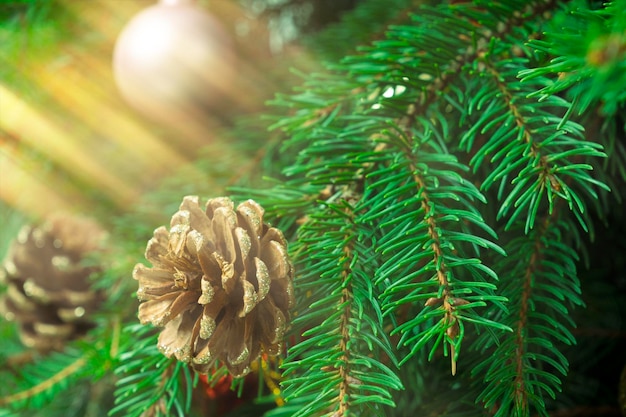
221, 285
49, 293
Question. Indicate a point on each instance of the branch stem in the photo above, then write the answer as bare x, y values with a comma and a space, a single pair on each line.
521, 397
46, 384
346, 300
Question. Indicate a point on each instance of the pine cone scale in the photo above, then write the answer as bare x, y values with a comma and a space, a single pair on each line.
157, 245
152, 283
196, 216
17, 299
250, 298
211, 312
277, 258
74, 298
282, 295
263, 278
157, 311
224, 224
244, 246
54, 330
249, 218
175, 339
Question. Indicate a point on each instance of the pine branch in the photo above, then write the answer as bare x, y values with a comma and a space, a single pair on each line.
344, 330
409, 175
584, 51
39, 382
581, 58
335, 366
520, 372
46, 385
151, 384
421, 224
527, 142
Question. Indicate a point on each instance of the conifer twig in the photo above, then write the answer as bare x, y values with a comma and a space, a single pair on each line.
438, 259
520, 331
46, 384
346, 295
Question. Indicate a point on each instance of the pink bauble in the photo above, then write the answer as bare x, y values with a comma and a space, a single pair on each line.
174, 63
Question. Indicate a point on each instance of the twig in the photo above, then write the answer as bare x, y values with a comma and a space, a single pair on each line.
46, 384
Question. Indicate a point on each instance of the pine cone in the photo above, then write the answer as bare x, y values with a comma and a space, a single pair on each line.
221, 284
48, 289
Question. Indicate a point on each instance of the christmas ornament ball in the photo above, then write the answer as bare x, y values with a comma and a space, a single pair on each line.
173, 61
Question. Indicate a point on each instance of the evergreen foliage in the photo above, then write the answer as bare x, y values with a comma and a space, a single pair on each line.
150, 384
439, 188
384, 133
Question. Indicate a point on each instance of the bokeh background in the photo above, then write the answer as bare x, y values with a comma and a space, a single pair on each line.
69, 140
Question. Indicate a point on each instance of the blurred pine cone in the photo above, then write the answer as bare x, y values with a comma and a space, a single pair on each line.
221, 284
48, 288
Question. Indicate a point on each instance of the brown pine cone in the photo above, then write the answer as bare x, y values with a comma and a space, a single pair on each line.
49, 293
221, 284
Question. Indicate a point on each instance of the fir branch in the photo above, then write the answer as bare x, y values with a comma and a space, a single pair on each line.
151, 384
531, 145
462, 32
520, 371
383, 123
421, 231
46, 385
521, 391
344, 330
340, 372
446, 299
585, 51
